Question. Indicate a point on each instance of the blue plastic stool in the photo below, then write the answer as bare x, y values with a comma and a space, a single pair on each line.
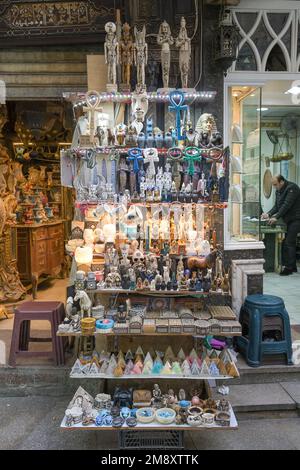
253, 312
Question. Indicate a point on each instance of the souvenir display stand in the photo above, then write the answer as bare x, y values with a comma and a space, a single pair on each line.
147, 247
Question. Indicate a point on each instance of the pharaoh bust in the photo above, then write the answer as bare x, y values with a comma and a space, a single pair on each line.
183, 42
206, 127
165, 40
111, 52
126, 53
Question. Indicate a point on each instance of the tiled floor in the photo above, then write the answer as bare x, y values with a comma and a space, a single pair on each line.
289, 289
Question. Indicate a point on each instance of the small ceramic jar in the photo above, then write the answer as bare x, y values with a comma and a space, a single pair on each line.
208, 419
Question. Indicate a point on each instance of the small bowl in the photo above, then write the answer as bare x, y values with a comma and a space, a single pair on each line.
208, 419
195, 420
211, 411
195, 411
223, 418
145, 415
161, 417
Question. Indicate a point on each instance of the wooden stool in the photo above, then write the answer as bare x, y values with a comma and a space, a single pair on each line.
54, 312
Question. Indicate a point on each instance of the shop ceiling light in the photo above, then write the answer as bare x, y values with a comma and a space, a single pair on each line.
295, 90
262, 109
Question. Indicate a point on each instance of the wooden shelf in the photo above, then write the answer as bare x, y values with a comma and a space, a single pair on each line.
151, 376
147, 292
194, 335
155, 426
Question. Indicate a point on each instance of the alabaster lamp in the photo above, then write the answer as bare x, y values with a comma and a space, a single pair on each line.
84, 258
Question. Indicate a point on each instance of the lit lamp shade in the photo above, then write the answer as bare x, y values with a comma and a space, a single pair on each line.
89, 236
84, 255
236, 165
109, 233
236, 134
236, 194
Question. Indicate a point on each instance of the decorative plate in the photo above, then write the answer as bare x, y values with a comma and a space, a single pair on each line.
267, 183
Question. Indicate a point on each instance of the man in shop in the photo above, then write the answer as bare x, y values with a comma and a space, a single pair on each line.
287, 208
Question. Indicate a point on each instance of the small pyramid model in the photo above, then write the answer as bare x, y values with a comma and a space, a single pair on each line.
94, 370
213, 369
77, 368
103, 368
167, 369
195, 369
118, 372
186, 370
128, 356
139, 351
204, 369
129, 367
181, 355
176, 369
169, 355
148, 358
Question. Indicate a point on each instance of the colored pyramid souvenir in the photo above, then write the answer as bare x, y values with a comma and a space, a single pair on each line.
121, 356
112, 360
195, 369
136, 370
193, 354
77, 368
139, 358
225, 356
86, 369
128, 368
103, 368
169, 355
213, 354
148, 358
176, 369
139, 351
118, 372
111, 365
208, 361
147, 369
204, 369
94, 370
104, 355
181, 355
222, 368
213, 369
186, 370
129, 356
121, 362
140, 364
167, 369
158, 359
231, 369
157, 367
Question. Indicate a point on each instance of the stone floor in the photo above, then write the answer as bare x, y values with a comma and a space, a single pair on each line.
33, 423
289, 289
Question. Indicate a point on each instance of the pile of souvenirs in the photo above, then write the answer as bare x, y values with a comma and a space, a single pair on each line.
131, 408
38, 194
138, 319
210, 364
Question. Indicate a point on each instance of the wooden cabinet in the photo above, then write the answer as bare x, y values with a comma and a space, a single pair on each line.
40, 251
